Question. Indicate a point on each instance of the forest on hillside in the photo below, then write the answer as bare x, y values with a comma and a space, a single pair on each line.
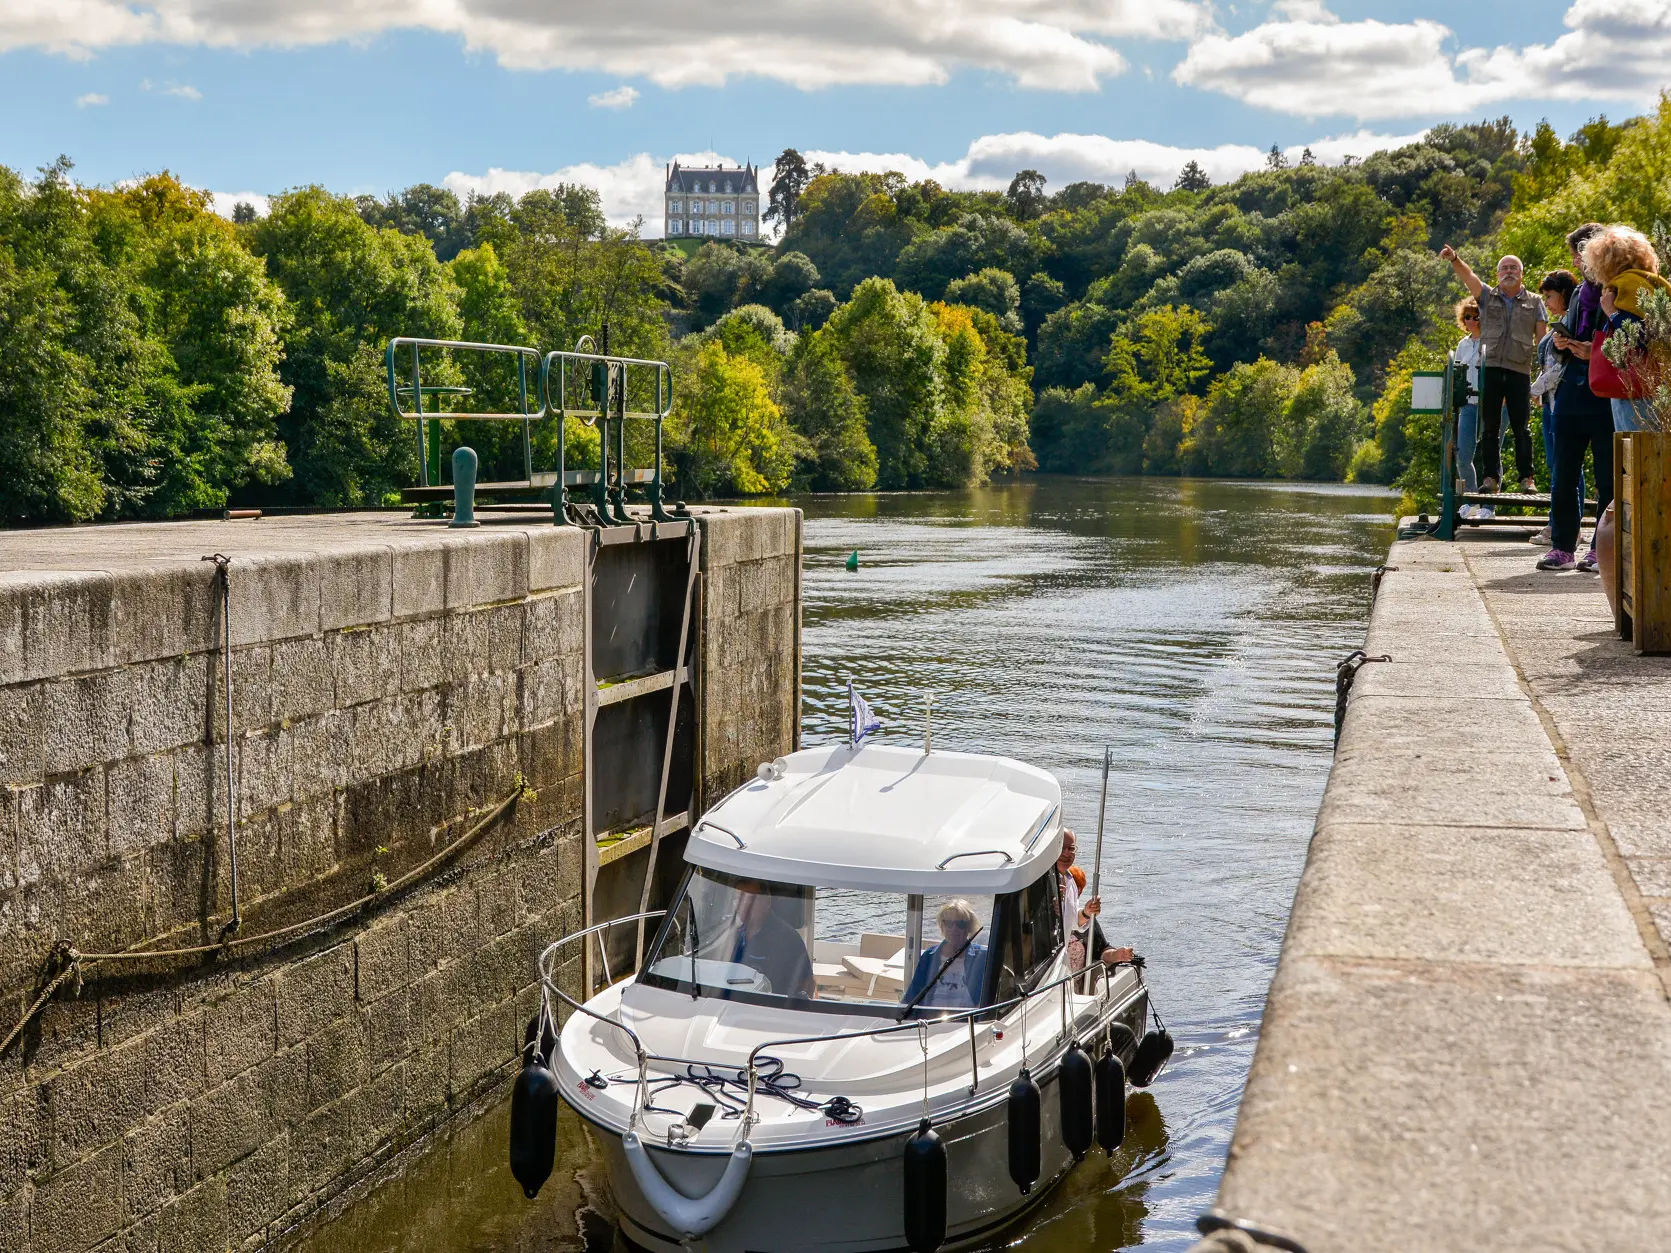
156, 359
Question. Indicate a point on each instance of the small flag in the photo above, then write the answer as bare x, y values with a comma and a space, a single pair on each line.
861, 722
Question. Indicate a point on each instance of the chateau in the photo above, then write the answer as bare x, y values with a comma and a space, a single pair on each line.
723, 202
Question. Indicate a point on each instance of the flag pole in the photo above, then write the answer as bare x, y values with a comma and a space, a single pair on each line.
1096, 864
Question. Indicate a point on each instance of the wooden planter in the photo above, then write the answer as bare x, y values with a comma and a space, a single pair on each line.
1642, 490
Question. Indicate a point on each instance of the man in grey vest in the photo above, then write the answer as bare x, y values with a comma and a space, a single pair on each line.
1511, 323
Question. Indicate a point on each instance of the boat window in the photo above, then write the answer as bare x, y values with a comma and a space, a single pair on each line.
1029, 935
828, 949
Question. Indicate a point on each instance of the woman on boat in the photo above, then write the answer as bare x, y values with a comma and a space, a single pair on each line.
953, 970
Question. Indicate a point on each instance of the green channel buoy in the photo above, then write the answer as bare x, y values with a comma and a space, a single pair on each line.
853, 560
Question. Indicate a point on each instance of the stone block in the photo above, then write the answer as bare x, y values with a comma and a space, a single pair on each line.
139, 801
318, 754
482, 710
275, 596
258, 1190
252, 690
61, 826
337, 1060
172, 702
484, 567
307, 839
54, 623
262, 767
426, 1072
466, 645
24, 1123
164, 610
496, 903
302, 682
551, 690
442, 929
314, 992
22, 741
174, 1060
1524, 786
86, 721
422, 657
156, 1163
284, 1079
481, 1046
556, 557
199, 790
80, 1205
554, 626
365, 664
194, 1221
389, 1029
420, 578
765, 584
377, 1111
356, 586
381, 959
319, 1145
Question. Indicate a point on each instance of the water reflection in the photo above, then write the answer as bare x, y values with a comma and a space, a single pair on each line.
1194, 626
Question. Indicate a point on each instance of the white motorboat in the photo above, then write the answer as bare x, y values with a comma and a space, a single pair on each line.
857, 1026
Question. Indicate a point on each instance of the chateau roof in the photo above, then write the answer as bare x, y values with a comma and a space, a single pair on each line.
744, 179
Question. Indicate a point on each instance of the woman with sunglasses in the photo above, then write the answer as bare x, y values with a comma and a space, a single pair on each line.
1469, 353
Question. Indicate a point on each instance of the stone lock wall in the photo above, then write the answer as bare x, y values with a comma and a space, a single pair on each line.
392, 682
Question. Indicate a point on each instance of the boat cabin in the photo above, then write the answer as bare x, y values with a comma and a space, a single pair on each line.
870, 880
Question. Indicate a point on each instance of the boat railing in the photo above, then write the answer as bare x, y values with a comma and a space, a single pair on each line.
1086, 977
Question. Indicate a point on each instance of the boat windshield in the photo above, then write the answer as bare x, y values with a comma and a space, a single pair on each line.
823, 948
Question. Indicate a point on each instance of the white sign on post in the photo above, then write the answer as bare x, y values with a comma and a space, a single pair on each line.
1427, 392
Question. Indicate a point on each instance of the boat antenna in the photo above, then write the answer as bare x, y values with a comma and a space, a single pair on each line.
928, 723
1102, 813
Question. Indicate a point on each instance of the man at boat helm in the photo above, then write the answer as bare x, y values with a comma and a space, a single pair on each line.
1078, 914
768, 944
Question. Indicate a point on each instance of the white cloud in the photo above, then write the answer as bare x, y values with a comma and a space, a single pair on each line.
633, 188
622, 97
1313, 64
90, 99
184, 92
1049, 44
225, 201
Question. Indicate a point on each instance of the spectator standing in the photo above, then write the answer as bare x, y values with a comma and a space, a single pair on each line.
1511, 323
1584, 424
1556, 290
1622, 260
1467, 354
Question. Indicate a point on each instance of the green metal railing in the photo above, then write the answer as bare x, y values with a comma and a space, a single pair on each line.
428, 424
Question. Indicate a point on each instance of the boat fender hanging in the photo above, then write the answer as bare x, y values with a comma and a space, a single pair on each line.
1074, 1083
1024, 1131
539, 1026
1153, 1050
925, 1190
533, 1125
690, 1216
1111, 1101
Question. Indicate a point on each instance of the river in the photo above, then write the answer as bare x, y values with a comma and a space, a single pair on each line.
1193, 626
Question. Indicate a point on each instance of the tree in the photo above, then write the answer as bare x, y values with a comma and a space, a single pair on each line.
1025, 196
792, 275
243, 213
1192, 178
812, 309
1274, 160
1163, 360
991, 289
1306, 158
826, 410
728, 436
422, 209
789, 182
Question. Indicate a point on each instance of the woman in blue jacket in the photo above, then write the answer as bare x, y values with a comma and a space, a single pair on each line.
958, 960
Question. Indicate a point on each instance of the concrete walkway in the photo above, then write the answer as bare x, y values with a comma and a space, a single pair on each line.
1467, 1045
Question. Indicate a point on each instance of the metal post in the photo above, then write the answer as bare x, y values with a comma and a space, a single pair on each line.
527, 422
621, 514
1447, 458
418, 406
1096, 864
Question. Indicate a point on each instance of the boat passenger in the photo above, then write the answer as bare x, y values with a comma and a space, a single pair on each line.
958, 960
1075, 878
768, 944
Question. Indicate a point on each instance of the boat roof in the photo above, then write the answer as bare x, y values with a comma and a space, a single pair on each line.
886, 818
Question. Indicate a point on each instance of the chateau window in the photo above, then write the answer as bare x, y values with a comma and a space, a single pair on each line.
748, 227
730, 227
675, 207
673, 226
728, 187
711, 187
713, 206
730, 206
748, 206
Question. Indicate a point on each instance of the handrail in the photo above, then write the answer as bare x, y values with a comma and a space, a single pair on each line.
429, 445
708, 822
977, 852
1043, 827
608, 403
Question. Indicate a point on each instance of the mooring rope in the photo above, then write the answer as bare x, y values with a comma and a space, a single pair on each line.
76, 962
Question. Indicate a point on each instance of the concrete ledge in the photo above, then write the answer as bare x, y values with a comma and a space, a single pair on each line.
1467, 1044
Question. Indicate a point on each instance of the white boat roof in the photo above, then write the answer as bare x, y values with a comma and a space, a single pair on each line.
891, 819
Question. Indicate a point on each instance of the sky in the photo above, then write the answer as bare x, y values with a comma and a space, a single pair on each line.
249, 97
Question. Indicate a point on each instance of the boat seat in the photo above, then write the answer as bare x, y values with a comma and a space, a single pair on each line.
885, 947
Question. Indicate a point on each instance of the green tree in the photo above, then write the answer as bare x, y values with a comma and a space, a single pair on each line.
1192, 178
1163, 360
1237, 434
991, 289
1026, 197
826, 410
352, 288
728, 435
789, 182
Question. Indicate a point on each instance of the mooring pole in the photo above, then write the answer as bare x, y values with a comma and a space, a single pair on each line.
1096, 865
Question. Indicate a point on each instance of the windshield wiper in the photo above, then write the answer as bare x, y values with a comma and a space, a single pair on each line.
927, 987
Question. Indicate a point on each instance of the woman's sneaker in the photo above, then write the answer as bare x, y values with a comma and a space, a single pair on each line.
1555, 559
1541, 538
1588, 561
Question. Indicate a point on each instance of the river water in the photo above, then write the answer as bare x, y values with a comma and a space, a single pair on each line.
1193, 626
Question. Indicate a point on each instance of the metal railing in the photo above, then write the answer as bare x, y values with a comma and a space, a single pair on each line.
604, 395
548, 985
414, 389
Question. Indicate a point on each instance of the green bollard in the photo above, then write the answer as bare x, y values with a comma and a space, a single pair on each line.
853, 560
464, 487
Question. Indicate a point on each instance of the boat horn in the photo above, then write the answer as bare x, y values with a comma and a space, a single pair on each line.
1077, 1100
1024, 1131
534, 1111
1111, 1101
925, 1190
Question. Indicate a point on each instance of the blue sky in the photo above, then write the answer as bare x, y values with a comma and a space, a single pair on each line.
258, 95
